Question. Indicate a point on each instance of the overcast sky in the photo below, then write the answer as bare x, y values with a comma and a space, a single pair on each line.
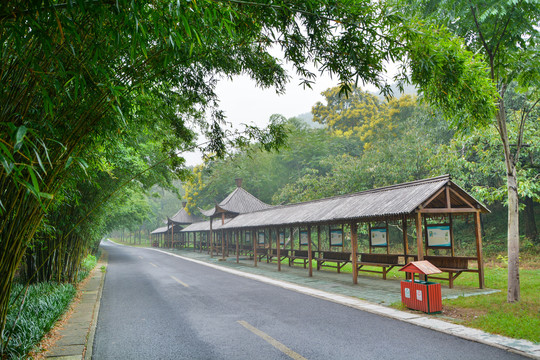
244, 103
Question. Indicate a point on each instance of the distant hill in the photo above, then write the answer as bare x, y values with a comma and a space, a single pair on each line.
308, 119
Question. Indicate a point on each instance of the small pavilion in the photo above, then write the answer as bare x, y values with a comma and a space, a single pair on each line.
237, 202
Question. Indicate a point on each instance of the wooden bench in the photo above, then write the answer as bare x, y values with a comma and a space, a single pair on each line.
453, 265
340, 259
283, 254
386, 261
262, 252
300, 255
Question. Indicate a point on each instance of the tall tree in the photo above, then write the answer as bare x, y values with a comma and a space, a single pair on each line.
506, 33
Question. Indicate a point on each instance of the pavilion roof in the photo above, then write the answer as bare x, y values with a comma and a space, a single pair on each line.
238, 202
372, 205
160, 230
204, 226
183, 218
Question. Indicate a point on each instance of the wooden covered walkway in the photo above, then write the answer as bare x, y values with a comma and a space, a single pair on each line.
426, 208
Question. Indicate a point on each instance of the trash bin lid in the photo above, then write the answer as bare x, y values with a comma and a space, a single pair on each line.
421, 267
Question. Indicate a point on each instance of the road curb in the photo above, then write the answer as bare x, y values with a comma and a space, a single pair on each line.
92, 332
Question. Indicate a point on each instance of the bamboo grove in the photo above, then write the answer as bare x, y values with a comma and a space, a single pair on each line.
78, 78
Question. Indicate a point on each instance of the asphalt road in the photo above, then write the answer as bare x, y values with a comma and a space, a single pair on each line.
156, 306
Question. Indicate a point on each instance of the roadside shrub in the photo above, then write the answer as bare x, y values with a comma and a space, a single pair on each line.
88, 263
29, 321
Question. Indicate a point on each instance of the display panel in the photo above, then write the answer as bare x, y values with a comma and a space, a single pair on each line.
378, 237
303, 237
261, 237
438, 236
281, 238
336, 237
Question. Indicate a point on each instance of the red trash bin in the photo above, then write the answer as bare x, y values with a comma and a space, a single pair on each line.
421, 295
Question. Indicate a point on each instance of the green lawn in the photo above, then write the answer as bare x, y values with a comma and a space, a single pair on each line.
492, 313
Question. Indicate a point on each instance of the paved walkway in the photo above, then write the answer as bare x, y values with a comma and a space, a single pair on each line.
80, 327
368, 295
370, 288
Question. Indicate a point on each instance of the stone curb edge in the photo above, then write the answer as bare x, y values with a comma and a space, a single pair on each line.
92, 332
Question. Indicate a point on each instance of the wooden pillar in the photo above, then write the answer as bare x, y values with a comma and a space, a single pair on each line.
369, 232
254, 239
479, 255
200, 240
319, 239
451, 235
223, 244
405, 239
354, 250
278, 248
419, 241
211, 235
237, 247
310, 256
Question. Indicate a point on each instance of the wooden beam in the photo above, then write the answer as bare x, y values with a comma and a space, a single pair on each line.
480, 258
354, 250
462, 198
447, 211
433, 197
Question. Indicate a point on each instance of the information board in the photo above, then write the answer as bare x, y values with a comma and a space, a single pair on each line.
378, 237
438, 236
303, 237
336, 237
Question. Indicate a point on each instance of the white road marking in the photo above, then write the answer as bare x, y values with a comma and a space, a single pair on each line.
272, 341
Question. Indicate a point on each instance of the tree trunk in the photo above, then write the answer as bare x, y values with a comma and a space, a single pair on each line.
531, 231
513, 238
513, 205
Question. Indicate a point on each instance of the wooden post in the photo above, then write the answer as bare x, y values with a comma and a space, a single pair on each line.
405, 239
237, 247
451, 235
310, 256
318, 241
171, 239
278, 247
223, 244
369, 232
419, 241
354, 250
269, 244
478, 233
254, 238
211, 235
